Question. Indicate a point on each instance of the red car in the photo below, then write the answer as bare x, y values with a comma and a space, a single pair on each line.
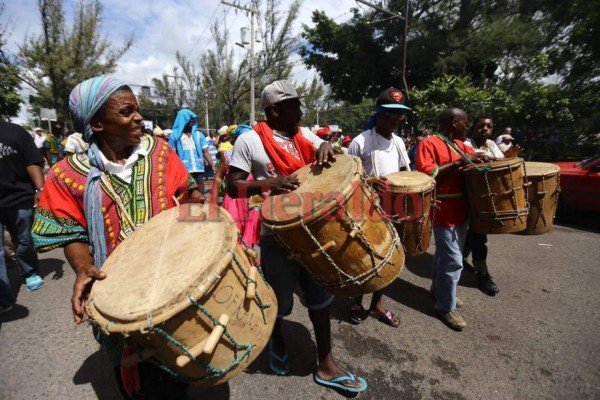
580, 184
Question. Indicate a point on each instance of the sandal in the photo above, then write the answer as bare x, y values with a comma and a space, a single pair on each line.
357, 314
387, 318
338, 383
281, 361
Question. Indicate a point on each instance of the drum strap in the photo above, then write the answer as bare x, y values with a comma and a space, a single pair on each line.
458, 151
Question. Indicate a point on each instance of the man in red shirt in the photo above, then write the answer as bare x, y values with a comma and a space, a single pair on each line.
441, 156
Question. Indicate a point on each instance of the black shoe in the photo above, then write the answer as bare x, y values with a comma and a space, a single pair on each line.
487, 285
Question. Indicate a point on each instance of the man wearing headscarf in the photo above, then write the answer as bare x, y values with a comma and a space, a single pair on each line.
191, 145
78, 210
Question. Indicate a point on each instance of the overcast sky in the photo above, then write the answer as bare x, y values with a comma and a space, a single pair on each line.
161, 27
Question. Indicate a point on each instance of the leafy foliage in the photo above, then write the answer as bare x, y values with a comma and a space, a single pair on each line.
10, 100
61, 56
454, 91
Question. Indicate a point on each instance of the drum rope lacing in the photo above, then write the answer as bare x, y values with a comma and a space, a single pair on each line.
517, 213
259, 302
118, 341
539, 205
213, 372
346, 279
247, 349
421, 221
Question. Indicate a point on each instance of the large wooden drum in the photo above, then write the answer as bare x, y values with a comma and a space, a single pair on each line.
543, 191
497, 196
410, 208
334, 226
183, 292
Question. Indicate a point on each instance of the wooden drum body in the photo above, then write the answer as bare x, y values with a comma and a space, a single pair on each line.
543, 192
334, 226
497, 196
182, 290
410, 208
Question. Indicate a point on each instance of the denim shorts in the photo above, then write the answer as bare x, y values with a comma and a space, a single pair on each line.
283, 274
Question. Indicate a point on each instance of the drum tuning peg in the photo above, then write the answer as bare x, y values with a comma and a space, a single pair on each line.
251, 253
206, 346
251, 289
324, 248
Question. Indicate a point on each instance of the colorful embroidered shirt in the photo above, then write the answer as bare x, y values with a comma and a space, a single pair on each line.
156, 177
432, 153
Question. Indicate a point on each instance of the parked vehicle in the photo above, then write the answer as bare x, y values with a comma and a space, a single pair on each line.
580, 184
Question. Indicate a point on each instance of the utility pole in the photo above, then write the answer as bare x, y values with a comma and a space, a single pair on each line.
177, 89
206, 112
252, 12
403, 18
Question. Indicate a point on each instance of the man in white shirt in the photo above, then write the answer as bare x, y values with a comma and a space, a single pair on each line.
382, 153
75, 143
272, 152
475, 243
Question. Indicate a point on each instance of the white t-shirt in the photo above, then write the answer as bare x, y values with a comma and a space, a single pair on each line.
379, 156
75, 143
249, 153
489, 148
503, 146
39, 140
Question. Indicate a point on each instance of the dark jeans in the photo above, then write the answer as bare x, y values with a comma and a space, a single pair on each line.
476, 244
155, 384
18, 221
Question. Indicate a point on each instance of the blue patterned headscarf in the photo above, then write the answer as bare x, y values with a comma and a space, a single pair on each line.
85, 101
87, 98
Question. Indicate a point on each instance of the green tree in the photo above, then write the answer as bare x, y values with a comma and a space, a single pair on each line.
314, 100
226, 83
10, 99
454, 91
62, 56
504, 42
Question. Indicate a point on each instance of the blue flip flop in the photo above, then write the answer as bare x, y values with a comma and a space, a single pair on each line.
281, 360
337, 382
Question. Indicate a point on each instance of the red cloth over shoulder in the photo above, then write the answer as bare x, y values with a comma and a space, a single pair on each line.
283, 161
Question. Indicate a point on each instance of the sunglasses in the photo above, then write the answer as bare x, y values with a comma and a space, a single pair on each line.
394, 115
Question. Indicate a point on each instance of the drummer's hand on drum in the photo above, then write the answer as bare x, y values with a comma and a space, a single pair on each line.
380, 184
481, 158
513, 151
284, 184
86, 275
325, 153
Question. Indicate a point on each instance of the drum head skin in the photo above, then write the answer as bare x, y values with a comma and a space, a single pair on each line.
533, 168
410, 182
320, 186
498, 164
176, 254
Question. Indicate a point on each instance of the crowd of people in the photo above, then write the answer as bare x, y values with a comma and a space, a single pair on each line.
114, 176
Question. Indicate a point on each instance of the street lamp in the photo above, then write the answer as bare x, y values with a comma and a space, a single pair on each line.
252, 38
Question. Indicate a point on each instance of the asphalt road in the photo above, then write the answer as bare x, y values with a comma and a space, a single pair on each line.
538, 339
